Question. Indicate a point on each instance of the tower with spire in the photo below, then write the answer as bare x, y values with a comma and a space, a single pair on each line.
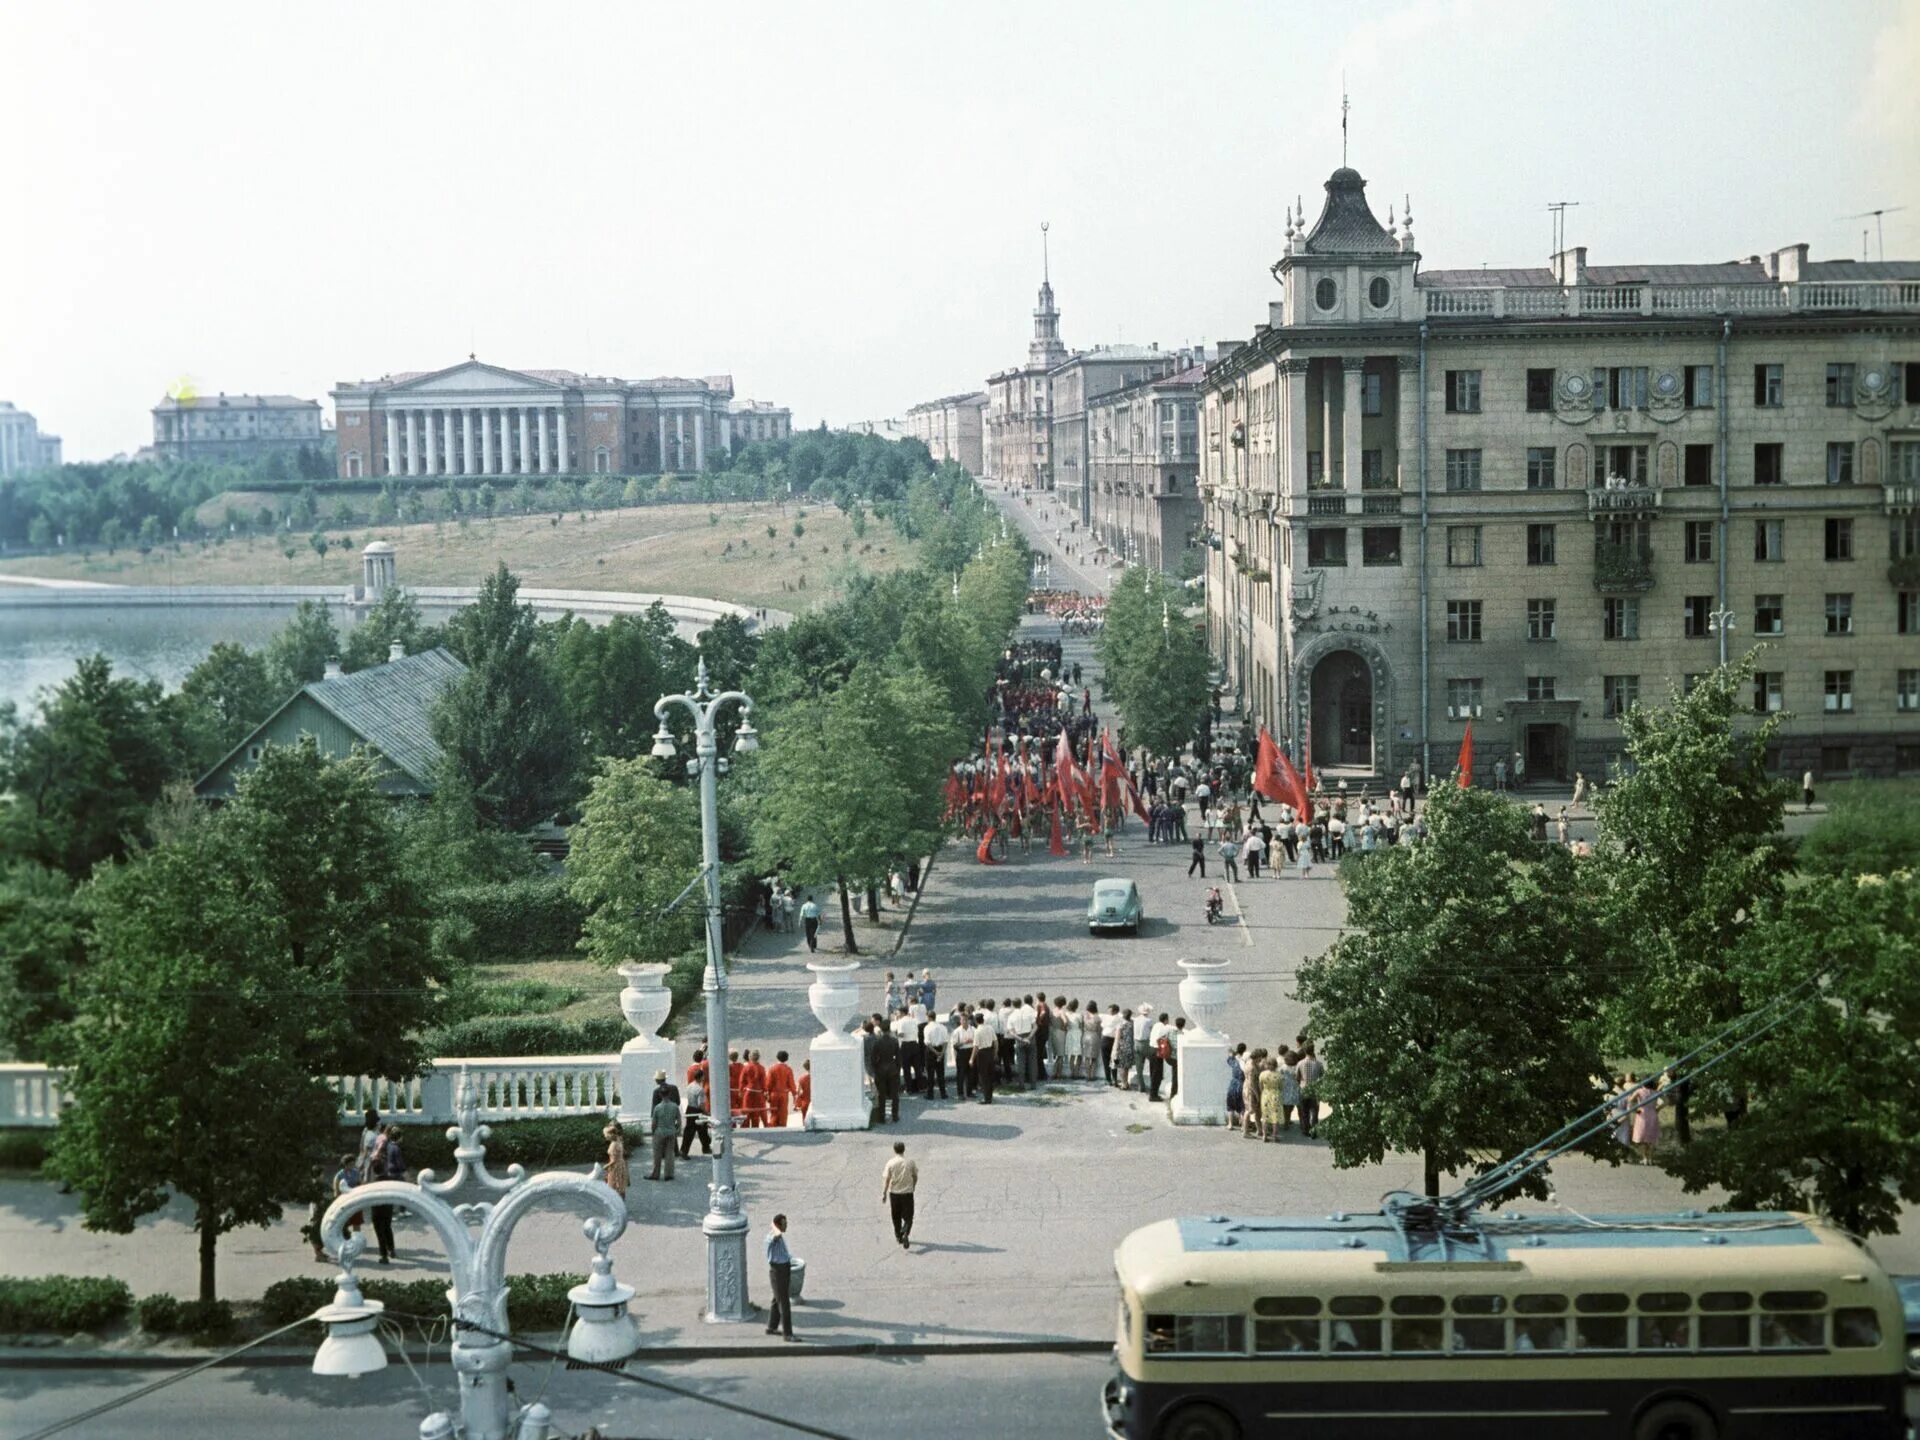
1045, 351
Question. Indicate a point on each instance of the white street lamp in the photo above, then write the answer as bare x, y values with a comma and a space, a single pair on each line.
726, 1224
1720, 623
481, 1351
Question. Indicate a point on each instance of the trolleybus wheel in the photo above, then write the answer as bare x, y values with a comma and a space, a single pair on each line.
1199, 1422
1675, 1420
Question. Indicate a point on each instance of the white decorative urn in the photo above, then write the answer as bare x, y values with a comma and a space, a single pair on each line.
1203, 993
834, 994
646, 1000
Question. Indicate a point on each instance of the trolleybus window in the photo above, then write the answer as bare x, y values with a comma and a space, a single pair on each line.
1196, 1335
1793, 1320
1539, 1322
1474, 1329
1724, 1323
1350, 1334
1282, 1325
1413, 1331
1856, 1328
1664, 1322
1601, 1323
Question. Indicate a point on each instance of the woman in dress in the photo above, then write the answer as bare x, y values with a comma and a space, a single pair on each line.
617, 1175
1289, 1088
1123, 1051
1646, 1120
1253, 1066
1237, 1085
1621, 1110
1090, 1032
1269, 1099
1070, 1038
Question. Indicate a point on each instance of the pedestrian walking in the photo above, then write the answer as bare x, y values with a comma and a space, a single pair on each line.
781, 1089
897, 1183
1806, 790
388, 1164
666, 1130
810, 922
780, 1280
617, 1175
803, 1093
699, 1124
1560, 827
1269, 1100
1236, 1086
1199, 861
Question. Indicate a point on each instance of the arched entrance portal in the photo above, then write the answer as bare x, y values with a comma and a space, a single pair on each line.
1342, 700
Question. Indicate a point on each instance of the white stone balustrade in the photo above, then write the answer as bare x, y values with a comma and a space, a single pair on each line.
1442, 302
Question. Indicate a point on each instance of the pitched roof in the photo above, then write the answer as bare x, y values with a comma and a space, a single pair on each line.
1346, 225
390, 706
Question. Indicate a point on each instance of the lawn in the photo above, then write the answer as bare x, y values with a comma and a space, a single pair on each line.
722, 551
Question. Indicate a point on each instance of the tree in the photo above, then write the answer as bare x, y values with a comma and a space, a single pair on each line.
189, 1072
612, 674
1869, 830
636, 846
1833, 1118
113, 534
1154, 663
393, 618
298, 654
227, 695
81, 777
318, 544
1457, 1013
503, 726
1690, 849
42, 949
730, 649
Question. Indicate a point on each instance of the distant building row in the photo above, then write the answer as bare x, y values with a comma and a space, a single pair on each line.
22, 445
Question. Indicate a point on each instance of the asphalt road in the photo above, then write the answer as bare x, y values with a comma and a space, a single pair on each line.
1004, 1397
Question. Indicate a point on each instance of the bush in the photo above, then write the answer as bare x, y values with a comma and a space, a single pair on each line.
25, 1149
535, 1303
513, 920
531, 1035
170, 1315
289, 1300
61, 1304
1872, 828
573, 1140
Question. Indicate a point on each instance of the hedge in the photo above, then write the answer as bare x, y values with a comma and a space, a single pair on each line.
535, 1303
571, 1140
531, 1035
61, 1304
25, 1149
170, 1315
512, 920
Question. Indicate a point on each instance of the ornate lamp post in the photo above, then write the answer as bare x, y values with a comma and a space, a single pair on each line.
603, 1334
1720, 622
726, 1223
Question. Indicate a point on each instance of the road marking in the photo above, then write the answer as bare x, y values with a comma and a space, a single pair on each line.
1240, 915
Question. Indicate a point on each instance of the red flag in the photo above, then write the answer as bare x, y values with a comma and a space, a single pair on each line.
1056, 843
997, 786
1465, 762
985, 853
1266, 769
956, 796
1296, 792
1109, 756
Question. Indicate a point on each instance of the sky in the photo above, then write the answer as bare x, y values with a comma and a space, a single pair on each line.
840, 204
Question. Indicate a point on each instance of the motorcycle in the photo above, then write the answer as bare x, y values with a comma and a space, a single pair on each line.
1216, 907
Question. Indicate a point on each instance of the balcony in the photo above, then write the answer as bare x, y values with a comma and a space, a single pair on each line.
1621, 567
1501, 302
1622, 500
1901, 499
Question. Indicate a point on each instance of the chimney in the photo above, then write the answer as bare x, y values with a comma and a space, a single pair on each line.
1790, 263
334, 672
396, 651
1570, 266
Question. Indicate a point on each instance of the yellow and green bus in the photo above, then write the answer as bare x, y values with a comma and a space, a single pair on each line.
1362, 1326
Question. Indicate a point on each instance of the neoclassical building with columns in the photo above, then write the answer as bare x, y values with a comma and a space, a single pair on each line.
479, 419
1528, 499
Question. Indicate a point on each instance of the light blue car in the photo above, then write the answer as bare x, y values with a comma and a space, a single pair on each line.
1115, 906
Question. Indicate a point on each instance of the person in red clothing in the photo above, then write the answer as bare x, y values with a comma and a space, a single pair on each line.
697, 1071
735, 1072
780, 1090
803, 1091
754, 1082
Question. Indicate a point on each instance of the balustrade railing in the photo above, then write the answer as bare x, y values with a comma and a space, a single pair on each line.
530, 1087
1766, 297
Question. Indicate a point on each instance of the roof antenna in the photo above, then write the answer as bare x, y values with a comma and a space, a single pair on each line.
1046, 276
1559, 210
1880, 224
1343, 119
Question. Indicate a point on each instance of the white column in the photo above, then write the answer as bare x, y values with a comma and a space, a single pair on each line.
467, 466
393, 443
679, 439
546, 443
726, 431
449, 456
526, 441
413, 442
560, 416
1351, 368
660, 434
486, 443
700, 440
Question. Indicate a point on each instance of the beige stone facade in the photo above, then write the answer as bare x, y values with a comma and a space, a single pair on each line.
1528, 498
1017, 446
478, 419
1075, 385
952, 428
1143, 468
233, 427
753, 420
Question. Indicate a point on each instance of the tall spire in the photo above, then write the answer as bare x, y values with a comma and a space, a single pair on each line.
1045, 351
1046, 270
1343, 117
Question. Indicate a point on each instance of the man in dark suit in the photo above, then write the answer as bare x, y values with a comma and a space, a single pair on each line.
883, 1062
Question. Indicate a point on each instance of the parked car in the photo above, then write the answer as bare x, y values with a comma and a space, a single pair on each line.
1115, 906
1909, 1288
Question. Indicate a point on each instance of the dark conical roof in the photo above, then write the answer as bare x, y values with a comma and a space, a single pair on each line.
1346, 225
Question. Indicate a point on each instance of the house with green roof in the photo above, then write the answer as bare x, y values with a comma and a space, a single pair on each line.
386, 710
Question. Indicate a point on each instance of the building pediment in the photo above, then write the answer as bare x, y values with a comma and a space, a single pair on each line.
472, 375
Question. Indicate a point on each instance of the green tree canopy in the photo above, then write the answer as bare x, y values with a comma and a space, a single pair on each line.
1154, 662
42, 949
393, 618
635, 848
300, 651
227, 694
1458, 1011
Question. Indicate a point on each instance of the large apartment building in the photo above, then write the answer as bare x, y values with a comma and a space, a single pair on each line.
234, 427
1143, 467
1530, 498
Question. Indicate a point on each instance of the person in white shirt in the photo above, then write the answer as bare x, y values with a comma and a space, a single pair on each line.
933, 1056
963, 1034
1142, 1028
1252, 853
907, 1031
1160, 1031
1020, 1026
1110, 1029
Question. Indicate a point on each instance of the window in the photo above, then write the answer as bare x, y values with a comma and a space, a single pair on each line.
1906, 690
1769, 387
1286, 1325
1463, 469
1473, 1327
1725, 1321
1903, 535
1620, 387
1417, 1326
1539, 389
1463, 392
1906, 612
1326, 294
1618, 694
1839, 462
1463, 620
1196, 1335
1696, 611
1769, 691
1316, 469
1699, 387
1625, 462
1379, 292
1839, 614
1769, 463
1839, 385
1351, 1331
1839, 692
1770, 540
1373, 471
1620, 619
1839, 539
1380, 545
1769, 614
1326, 547
1699, 465
1463, 699
1600, 1322
1663, 1322
1540, 620
1913, 382
1699, 541
1540, 545
1540, 467
1856, 1327
1463, 545
1539, 1323
1370, 392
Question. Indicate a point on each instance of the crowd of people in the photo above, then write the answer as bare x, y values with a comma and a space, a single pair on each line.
1268, 1089
1078, 614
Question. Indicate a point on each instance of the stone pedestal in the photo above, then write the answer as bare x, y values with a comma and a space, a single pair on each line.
645, 1002
1202, 1097
839, 1094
